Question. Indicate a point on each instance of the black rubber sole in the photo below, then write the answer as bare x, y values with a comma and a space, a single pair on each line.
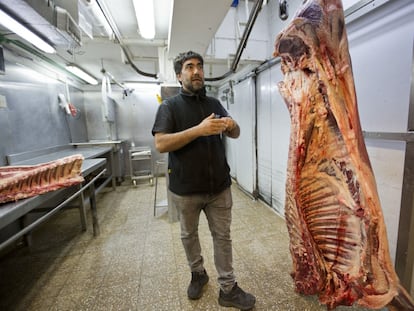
225, 303
201, 291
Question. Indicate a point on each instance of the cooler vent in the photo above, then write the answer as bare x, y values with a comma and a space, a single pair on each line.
67, 27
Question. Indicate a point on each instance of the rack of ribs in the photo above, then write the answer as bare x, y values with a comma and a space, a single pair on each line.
19, 182
338, 238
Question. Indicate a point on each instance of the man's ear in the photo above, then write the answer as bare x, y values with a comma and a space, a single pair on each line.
179, 78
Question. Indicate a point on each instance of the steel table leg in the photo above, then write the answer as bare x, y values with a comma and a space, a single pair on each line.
92, 200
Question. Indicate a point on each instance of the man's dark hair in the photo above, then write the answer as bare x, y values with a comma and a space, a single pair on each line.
183, 57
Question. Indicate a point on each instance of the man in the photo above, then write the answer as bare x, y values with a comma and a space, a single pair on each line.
189, 126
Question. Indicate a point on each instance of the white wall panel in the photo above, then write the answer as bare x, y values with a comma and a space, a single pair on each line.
264, 137
381, 51
273, 128
243, 111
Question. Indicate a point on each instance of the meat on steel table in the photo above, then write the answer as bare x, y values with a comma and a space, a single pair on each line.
92, 170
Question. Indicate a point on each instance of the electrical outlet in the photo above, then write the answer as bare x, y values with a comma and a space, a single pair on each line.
3, 101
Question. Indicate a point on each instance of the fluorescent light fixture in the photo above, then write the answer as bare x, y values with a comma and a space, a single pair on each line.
25, 33
144, 11
77, 71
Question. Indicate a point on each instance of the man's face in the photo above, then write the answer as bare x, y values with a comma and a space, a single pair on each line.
192, 75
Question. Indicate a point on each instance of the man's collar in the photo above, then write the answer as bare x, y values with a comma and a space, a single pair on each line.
200, 93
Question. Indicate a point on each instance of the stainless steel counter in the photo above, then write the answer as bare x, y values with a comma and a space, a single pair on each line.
98, 142
13, 211
118, 160
88, 153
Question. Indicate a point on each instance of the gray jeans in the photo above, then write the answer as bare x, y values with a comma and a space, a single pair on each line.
217, 208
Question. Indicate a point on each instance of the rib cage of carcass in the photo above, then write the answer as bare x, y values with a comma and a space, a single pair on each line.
19, 182
338, 239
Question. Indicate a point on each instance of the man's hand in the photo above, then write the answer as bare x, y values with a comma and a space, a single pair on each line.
230, 124
213, 126
166, 142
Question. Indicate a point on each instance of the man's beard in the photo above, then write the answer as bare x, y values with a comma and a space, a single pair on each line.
194, 87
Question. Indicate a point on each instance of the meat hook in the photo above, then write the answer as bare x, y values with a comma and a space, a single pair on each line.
283, 13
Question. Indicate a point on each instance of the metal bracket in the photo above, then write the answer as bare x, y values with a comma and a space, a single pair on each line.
407, 137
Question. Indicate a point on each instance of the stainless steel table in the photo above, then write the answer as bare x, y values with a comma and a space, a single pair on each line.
91, 170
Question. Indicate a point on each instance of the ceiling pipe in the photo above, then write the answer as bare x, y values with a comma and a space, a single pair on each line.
242, 45
123, 47
142, 73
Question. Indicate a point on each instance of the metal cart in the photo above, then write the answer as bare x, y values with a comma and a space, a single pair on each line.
140, 163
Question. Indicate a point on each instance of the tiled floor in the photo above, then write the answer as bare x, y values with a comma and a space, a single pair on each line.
137, 262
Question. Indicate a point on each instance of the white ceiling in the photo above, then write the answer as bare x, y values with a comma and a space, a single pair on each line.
193, 25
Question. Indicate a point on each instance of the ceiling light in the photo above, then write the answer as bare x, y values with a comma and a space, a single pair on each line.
77, 71
25, 33
144, 11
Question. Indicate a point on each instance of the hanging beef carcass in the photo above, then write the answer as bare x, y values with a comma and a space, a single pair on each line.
19, 182
338, 239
